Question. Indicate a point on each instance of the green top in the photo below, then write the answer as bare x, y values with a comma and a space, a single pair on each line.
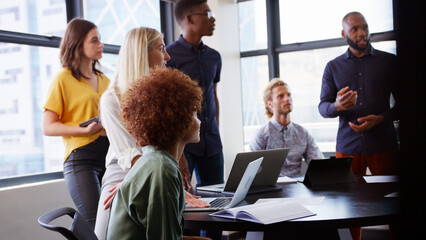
150, 201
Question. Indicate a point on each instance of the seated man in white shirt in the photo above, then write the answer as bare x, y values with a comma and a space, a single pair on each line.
280, 132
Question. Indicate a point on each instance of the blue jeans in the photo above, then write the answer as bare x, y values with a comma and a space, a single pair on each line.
208, 169
83, 172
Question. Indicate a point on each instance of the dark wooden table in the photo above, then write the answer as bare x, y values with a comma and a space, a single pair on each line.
345, 205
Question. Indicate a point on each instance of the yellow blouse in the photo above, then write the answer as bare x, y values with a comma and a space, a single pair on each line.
75, 102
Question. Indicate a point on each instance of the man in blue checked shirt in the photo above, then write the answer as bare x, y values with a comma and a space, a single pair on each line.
281, 132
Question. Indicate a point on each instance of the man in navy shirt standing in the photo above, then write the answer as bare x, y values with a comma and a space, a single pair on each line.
203, 64
357, 88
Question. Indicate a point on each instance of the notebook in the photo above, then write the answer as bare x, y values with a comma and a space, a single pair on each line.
221, 203
266, 213
266, 178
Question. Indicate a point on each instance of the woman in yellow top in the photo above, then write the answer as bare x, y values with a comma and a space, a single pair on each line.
73, 98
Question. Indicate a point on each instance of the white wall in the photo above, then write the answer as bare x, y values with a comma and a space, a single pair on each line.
226, 40
21, 206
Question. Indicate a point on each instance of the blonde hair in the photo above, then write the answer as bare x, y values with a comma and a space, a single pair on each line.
267, 93
133, 57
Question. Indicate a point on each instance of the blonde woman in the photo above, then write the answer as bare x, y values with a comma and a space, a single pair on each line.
143, 48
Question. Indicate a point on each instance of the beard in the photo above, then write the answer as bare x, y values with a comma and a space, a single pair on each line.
285, 110
355, 46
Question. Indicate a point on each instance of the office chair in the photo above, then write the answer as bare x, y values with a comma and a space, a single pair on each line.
79, 229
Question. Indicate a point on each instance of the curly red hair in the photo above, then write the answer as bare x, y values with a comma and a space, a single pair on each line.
158, 108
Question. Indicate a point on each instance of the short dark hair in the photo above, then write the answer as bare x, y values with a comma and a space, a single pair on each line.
350, 14
158, 108
183, 7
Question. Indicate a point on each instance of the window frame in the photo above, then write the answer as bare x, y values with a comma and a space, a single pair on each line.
275, 48
73, 9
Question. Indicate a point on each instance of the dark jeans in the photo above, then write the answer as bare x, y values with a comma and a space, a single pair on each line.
208, 169
83, 172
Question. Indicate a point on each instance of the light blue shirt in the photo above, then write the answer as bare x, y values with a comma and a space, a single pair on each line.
302, 145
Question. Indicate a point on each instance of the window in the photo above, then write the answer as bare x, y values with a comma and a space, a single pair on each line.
30, 32
115, 18
44, 17
254, 75
298, 48
25, 76
252, 21
319, 20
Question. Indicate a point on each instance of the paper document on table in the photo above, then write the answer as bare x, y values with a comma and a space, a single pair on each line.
286, 179
266, 213
381, 179
304, 201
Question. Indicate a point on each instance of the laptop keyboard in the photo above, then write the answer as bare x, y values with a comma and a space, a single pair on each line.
220, 202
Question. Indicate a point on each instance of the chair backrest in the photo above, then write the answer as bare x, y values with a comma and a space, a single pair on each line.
79, 229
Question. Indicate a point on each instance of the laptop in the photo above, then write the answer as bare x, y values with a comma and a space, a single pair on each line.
329, 171
266, 178
220, 203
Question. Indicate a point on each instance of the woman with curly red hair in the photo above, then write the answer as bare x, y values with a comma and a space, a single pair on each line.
142, 50
160, 112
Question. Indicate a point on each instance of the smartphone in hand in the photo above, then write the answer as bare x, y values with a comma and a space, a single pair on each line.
86, 123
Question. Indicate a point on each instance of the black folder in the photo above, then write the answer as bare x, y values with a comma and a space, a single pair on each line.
329, 171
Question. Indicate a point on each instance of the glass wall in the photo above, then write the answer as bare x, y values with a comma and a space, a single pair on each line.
44, 17
25, 74
115, 18
252, 24
319, 20
26, 71
254, 71
300, 22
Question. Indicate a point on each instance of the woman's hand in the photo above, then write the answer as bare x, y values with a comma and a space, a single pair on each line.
113, 191
194, 201
52, 126
93, 127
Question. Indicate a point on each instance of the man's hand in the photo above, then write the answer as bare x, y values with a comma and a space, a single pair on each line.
366, 123
183, 168
194, 201
345, 99
108, 199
